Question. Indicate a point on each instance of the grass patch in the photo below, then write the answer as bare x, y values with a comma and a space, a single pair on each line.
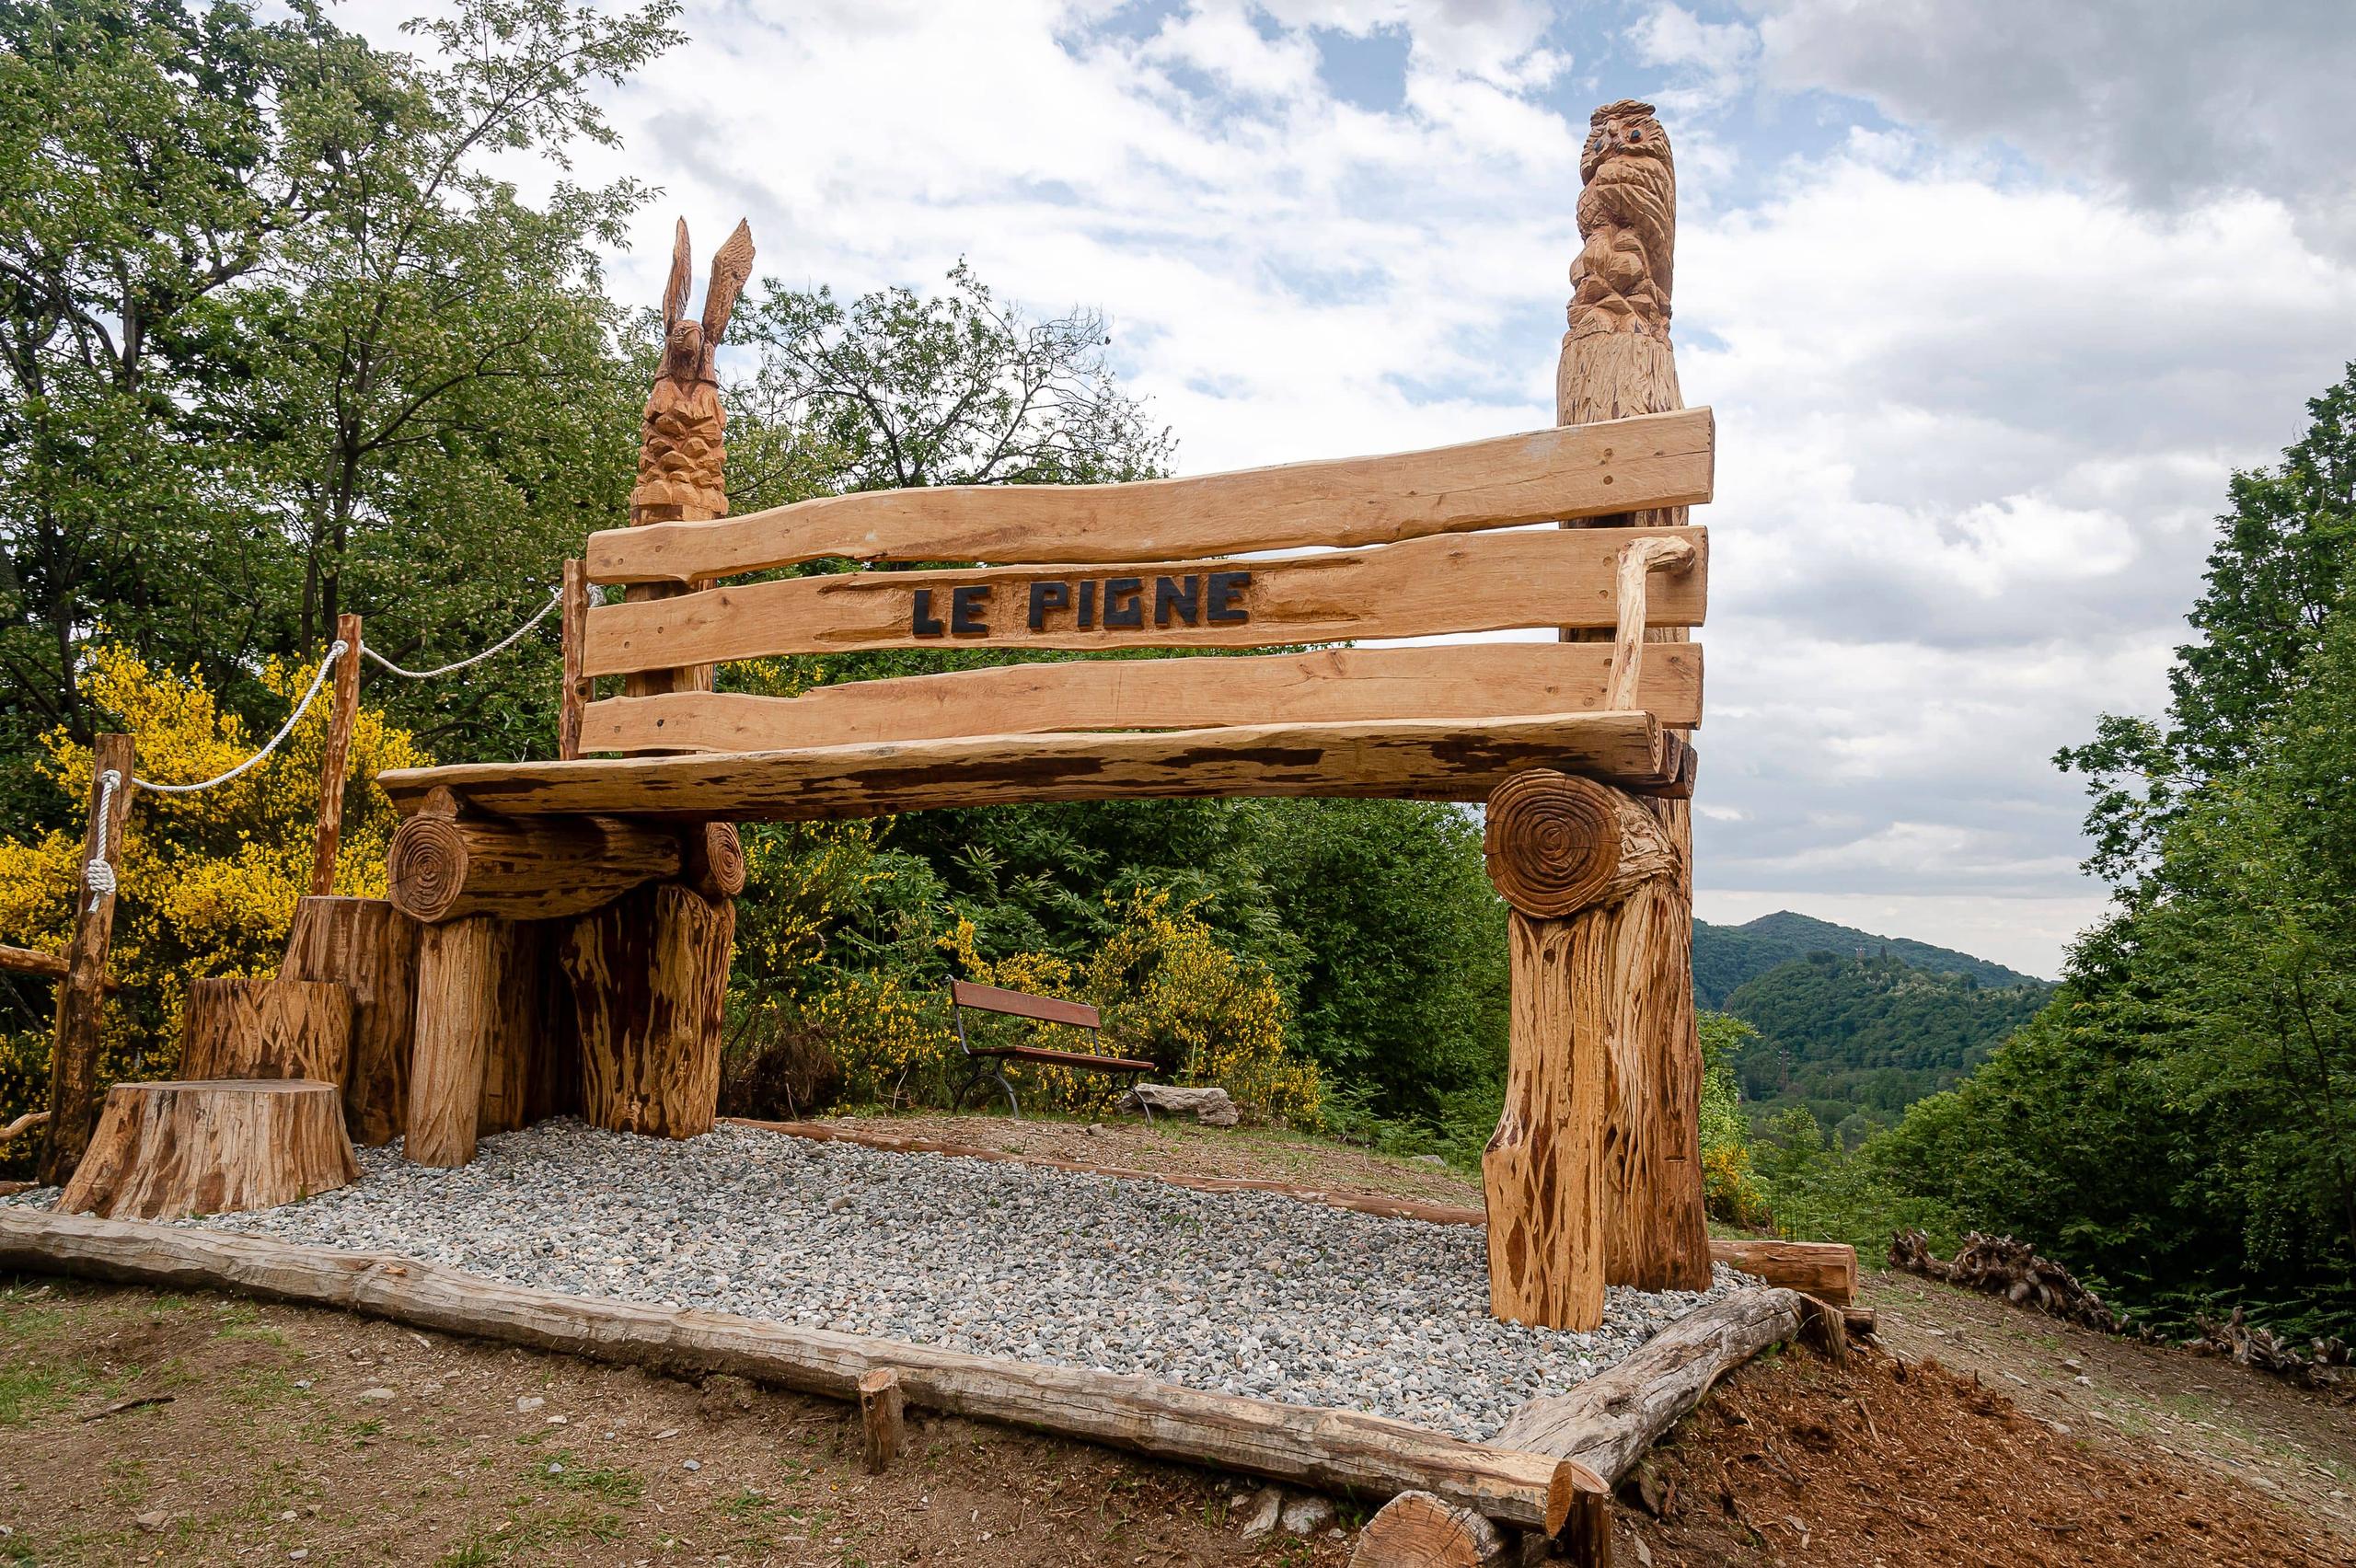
613, 1485
531, 1533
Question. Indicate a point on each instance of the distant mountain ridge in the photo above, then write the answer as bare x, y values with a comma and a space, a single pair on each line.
1726, 957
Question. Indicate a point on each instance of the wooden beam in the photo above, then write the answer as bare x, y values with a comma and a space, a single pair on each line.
334, 757
1827, 1269
1504, 480
479, 1003
74, 1044
446, 869
1423, 587
32, 960
1608, 1422
1015, 1004
1336, 1450
1416, 759
1468, 680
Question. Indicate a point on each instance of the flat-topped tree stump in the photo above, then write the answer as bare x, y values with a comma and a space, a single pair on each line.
237, 1028
165, 1150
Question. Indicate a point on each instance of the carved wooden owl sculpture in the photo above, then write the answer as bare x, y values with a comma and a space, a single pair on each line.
1627, 217
681, 455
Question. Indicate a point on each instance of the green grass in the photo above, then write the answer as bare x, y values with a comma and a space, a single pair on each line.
613, 1485
534, 1533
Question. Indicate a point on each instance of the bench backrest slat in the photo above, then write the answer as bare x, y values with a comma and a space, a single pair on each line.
1480, 582
1469, 681
1015, 1004
1656, 460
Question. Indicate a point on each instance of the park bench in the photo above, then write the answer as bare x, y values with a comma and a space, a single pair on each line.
989, 1061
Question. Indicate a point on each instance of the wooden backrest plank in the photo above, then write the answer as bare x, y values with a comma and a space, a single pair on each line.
1470, 681
1655, 460
1492, 582
1016, 1004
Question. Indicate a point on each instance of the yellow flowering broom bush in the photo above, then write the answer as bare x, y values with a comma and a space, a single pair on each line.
208, 882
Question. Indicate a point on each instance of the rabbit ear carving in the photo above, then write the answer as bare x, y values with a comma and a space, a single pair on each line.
730, 266
675, 293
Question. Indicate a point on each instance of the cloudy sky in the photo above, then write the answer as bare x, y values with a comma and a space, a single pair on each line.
1990, 298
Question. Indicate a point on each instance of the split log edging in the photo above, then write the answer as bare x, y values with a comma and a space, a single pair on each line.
1345, 1451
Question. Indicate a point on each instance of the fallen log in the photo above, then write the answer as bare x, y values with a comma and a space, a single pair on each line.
1827, 1269
1332, 1450
1608, 1422
32, 960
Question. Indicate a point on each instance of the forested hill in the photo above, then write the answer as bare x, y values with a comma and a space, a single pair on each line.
1867, 1037
1725, 957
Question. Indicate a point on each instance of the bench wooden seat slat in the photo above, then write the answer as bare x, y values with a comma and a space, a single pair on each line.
1419, 759
1064, 1058
1424, 587
1484, 680
1022, 1004
1655, 460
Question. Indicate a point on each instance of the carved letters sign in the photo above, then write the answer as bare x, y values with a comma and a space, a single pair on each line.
1210, 598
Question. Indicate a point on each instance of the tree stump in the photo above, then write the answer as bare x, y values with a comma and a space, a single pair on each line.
266, 1029
1416, 1530
882, 1418
480, 1008
649, 975
165, 1150
371, 948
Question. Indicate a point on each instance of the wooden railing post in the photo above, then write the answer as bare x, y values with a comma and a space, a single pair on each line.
573, 701
336, 757
73, 1049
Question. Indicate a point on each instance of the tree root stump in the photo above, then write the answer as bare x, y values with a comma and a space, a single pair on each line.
165, 1150
266, 1029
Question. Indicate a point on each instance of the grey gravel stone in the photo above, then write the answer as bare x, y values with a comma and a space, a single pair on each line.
1247, 1293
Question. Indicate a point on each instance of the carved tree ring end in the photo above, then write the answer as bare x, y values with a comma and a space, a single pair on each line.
426, 869
1553, 842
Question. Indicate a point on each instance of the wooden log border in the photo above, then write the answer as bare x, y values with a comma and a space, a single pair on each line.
1824, 1269
1336, 1450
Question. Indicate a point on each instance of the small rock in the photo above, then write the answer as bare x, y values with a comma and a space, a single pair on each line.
692, 1464
1093, 1130
1307, 1514
288, 1514
554, 1468
667, 1432
1431, 1159
155, 1519
2072, 1364
526, 1404
300, 1555
559, 1420
2083, 1380
375, 1395
1261, 1515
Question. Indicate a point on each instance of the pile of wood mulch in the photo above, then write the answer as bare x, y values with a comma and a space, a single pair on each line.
1883, 1462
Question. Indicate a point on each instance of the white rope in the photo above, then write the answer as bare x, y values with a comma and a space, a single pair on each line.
556, 597
99, 876
335, 651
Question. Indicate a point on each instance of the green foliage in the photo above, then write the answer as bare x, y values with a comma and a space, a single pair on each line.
1857, 1039
1725, 957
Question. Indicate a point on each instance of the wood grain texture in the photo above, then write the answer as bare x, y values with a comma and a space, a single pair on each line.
369, 948
1543, 1166
712, 858
237, 1028
649, 977
1415, 759
446, 869
1472, 680
1416, 1530
1824, 1269
1345, 501
165, 1150
1638, 561
1333, 1450
1639, 970
81, 995
1423, 587
1015, 1004
1608, 1422
334, 757
1554, 844
882, 1417
478, 1001
577, 690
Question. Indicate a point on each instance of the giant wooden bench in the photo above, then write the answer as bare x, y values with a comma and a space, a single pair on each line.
589, 898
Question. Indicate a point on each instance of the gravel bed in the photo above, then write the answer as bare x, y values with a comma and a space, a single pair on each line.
1248, 1293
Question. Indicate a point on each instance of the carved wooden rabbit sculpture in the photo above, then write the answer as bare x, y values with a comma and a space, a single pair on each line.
681, 458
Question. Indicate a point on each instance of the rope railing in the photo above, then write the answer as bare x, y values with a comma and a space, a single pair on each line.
556, 597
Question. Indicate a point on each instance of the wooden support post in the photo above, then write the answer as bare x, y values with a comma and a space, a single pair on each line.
445, 868
1574, 1198
335, 758
369, 948
1416, 1530
649, 975
881, 1418
1585, 1540
479, 1010
239, 1028
1825, 1326
579, 690
74, 1049
163, 1150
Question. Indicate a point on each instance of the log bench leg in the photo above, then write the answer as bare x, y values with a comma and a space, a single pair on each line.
649, 979
478, 1004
